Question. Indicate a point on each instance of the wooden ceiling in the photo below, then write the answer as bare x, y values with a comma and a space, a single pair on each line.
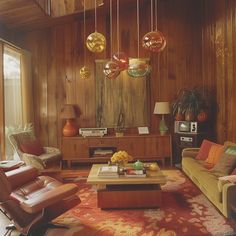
15, 14
26, 15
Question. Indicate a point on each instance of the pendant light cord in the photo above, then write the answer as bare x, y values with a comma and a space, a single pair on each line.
111, 27
156, 14
84, 35
138, 25
151, 15
118, 27
95, 20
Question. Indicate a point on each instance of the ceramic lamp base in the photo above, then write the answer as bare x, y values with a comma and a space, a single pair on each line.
69, 129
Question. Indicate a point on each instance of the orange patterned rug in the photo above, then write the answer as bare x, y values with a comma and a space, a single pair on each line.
185, 211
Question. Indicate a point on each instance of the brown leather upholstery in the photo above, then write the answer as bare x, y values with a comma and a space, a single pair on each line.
33, 200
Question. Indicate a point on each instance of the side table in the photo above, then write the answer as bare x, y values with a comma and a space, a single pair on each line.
10, 165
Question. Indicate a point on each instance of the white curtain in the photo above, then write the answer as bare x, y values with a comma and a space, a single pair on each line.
18, 104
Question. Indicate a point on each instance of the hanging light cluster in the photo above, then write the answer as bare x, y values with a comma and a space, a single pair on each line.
154, 41
96, 42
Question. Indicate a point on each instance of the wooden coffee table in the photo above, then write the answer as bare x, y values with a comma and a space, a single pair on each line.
126, 192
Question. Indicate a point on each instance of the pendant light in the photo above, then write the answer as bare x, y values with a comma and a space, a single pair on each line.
137, 66
96, 42
111, 69
120, 57
84, 71
154, 41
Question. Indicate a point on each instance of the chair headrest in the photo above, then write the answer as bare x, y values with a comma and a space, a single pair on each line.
21, 176
5, 187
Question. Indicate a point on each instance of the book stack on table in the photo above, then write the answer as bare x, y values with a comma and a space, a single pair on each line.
108, 172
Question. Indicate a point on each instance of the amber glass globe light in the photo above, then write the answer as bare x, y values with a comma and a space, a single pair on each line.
121, 59
154, 41
96, 42
84, 72
138, 68
111, 70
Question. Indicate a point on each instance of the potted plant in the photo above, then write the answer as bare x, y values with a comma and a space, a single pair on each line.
189, 103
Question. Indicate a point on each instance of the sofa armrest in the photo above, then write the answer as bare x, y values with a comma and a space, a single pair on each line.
190, 152
44, 200
229, 193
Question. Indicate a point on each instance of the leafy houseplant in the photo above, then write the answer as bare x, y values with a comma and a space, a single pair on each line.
189, 103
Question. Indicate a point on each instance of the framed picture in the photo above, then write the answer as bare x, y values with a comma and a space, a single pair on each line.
143, 130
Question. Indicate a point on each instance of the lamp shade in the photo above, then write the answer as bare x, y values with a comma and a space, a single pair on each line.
68, 112
162, 108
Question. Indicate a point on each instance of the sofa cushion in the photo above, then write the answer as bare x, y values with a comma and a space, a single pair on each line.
214, 154
192, 165
225, 165
204, 149
209, 185
230, 150
32, 147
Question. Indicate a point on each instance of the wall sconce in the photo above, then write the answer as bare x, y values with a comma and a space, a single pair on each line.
162, 108
68, 113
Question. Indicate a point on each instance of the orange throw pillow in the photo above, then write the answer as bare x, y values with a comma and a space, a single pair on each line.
214, 154
32, 147
204, 149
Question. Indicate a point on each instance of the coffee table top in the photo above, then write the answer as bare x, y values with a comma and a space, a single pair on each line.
93, 178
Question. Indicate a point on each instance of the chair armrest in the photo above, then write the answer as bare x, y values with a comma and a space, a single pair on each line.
44, 200
190, 152
52, 150
32, 160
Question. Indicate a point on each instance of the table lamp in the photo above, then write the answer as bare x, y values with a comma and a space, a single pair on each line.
162, 108
68, 113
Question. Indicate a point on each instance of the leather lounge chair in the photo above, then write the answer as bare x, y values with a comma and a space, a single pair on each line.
32, 201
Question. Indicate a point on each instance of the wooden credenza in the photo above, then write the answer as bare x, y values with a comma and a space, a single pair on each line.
150, 147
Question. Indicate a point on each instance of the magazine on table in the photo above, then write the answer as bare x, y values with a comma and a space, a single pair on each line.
108, 171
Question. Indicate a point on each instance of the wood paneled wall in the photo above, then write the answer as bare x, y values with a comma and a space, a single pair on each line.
57, 54
200, 51
219, 63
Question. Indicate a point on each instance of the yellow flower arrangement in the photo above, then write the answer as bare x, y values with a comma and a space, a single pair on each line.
121, 157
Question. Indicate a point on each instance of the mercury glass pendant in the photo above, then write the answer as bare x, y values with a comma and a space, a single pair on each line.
96, 42
121, 59
111, 70
84, 72
154, 41
138, 68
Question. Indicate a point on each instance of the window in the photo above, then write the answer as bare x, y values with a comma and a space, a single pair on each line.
12, 93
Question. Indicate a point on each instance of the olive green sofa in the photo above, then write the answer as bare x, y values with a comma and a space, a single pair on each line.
221, 193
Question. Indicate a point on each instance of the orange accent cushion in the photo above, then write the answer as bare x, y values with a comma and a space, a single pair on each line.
32, 147
204, 149
214, 154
